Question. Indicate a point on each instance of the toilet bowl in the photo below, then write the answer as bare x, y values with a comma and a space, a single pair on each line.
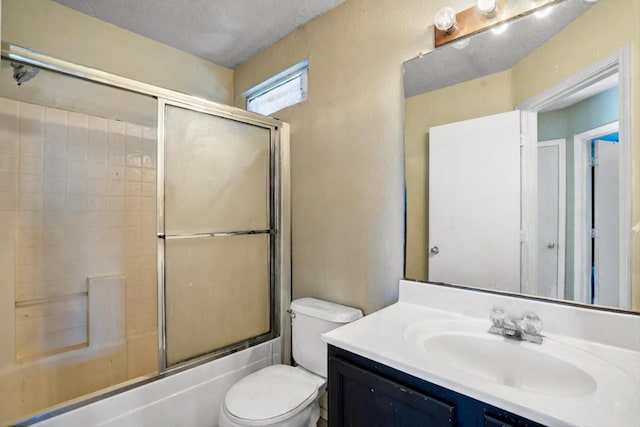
278, 395
282, 395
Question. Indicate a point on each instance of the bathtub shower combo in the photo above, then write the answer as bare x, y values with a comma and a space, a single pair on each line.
147, 233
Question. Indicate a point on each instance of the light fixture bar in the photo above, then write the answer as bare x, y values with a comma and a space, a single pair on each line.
473, 20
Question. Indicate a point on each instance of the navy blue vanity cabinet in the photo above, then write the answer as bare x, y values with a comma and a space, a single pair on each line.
364, 398
364, 393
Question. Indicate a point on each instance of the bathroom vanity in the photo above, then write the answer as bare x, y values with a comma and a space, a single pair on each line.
429, 360
363, 392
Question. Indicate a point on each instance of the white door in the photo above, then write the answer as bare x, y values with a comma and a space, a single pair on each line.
597, 210
474, 202
607, 224
551, 204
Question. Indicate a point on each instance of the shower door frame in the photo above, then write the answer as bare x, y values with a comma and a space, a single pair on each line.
274, 231
280, 248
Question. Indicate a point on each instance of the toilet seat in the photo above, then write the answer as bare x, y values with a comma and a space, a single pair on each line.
270, 395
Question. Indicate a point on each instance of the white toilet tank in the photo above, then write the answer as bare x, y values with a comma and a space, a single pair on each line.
310, 319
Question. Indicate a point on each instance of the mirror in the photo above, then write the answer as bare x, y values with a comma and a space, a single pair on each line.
534, 66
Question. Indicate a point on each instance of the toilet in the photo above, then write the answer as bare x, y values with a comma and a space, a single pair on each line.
283, 395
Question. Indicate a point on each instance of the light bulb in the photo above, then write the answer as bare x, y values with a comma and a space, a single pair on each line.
487, 6
445, 19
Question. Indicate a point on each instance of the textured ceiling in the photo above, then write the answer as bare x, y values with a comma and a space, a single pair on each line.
227, 32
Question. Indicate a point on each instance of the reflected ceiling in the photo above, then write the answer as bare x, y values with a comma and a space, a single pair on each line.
487, 52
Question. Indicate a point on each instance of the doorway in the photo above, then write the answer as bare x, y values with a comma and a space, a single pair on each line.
578, 281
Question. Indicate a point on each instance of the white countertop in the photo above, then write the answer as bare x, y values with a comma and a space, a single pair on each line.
383, 337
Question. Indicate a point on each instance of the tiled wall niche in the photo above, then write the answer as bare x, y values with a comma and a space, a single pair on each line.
77, 202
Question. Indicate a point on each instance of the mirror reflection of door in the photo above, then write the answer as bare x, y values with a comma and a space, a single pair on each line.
474, 202
597, 216
606, 200
551, 218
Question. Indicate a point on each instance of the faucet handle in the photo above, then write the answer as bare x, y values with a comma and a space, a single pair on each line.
531, 323
498, 316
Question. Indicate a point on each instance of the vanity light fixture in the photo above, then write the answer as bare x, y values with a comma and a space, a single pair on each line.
486, 14
445, 20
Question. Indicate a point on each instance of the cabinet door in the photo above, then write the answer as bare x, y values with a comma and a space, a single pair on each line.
361, 398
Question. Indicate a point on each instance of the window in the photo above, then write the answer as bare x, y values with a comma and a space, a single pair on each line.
280, 91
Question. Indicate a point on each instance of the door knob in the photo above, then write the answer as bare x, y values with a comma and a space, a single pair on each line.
551, 245
434, 250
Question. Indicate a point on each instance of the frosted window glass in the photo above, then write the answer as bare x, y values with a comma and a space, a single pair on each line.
279, 97
216, 174
217, 293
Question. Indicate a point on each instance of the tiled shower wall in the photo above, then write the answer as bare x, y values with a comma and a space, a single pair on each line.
77, 200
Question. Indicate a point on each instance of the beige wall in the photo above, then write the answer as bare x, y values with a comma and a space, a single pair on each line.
347, 168
578, 46
52, 29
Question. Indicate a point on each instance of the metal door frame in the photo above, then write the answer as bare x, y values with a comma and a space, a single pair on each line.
275, 210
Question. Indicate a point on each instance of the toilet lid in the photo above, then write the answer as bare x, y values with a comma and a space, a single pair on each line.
270, 392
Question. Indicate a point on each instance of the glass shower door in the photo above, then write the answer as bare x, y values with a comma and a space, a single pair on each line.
216, 233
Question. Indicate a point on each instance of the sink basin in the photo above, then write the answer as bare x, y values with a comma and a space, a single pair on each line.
549, 368
510, 363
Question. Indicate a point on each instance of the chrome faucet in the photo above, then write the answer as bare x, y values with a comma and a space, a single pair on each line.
525, 329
